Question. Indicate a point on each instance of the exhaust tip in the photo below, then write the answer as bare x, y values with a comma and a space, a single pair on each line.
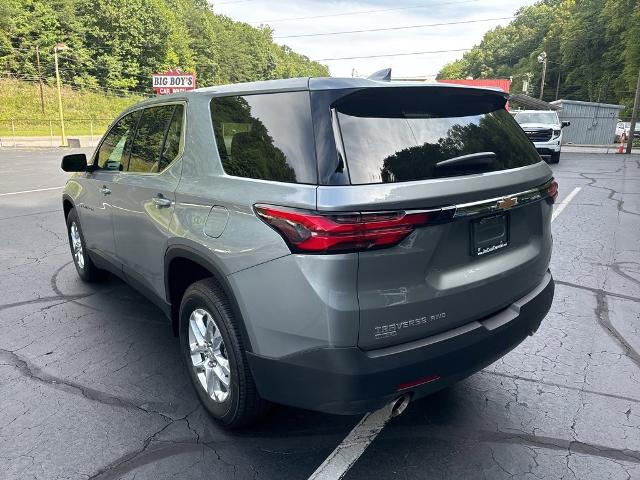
400, 405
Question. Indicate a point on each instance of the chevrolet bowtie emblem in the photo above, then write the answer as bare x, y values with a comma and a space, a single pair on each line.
507, 202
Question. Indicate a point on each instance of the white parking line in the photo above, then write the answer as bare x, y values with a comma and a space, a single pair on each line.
559, 207
31, 191
353, 446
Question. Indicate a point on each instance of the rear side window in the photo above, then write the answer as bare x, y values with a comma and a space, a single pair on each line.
157, 140
405, 134
268, 137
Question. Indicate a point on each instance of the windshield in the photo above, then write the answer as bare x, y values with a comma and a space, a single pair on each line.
408, 134
537, 117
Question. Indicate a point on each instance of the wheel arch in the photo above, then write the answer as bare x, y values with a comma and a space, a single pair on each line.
185, 265
67, 205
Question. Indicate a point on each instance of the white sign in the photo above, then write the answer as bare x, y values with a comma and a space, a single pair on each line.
173, 82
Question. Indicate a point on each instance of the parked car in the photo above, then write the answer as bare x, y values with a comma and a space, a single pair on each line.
544, 129
330, 244
623, 129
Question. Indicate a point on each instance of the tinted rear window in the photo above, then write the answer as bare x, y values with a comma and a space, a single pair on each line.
405, 134
269, 137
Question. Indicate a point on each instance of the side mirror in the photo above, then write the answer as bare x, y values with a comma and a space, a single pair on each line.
565, 124
76, 162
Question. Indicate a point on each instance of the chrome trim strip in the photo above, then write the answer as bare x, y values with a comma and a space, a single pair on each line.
492, 205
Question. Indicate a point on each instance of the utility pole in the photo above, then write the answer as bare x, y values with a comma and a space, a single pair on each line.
558, 84
40, 78
634, 117
60, 46
542, 58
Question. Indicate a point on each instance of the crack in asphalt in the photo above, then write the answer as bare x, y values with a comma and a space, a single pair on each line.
618, 268
148, 454
597, 291
59, 295
573, 446
30, 214
522, 438
612, 193
28, 369
65, 298
602, 315
560, 385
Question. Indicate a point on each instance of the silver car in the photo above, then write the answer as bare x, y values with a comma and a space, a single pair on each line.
330, 244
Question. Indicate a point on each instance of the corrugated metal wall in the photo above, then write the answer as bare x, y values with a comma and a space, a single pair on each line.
591, 123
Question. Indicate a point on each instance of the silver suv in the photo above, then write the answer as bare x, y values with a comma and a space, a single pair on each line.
330, 244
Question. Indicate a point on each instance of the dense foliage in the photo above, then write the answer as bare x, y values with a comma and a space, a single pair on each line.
593, 48
118, 44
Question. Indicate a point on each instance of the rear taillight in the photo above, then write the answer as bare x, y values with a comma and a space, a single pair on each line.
552, 191
314, 232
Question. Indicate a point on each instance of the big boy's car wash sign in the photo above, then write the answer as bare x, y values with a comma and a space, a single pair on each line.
173, 81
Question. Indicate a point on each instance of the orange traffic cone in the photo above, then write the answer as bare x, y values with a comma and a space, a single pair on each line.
620, 149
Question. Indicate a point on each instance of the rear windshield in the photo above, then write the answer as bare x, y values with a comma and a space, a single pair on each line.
405, 134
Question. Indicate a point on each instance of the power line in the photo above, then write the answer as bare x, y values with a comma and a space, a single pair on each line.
76, 87
359, 12
93, 64
393, 28
392, 55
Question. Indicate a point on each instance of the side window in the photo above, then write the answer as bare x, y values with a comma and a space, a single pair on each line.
174, 140
115, 148
146, 149
267, 136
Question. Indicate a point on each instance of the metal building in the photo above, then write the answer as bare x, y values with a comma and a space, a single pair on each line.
591, 123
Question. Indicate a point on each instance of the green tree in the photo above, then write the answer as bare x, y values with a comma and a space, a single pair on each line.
592, 47
118, 44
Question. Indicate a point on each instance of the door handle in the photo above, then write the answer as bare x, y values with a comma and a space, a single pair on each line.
160, 201
105, 190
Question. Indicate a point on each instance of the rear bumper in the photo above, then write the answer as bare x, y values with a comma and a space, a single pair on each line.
352, 381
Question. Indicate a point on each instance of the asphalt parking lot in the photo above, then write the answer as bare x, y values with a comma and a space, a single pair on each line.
92, 384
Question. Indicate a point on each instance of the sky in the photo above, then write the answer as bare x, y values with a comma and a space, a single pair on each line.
283, 17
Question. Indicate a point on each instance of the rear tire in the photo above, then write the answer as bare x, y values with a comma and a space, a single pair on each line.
214, 353
555, 157
85, 267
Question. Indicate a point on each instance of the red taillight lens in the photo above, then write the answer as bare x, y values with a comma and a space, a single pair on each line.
314, 232
552, 191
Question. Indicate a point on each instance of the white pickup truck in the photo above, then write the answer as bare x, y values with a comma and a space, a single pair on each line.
544, 129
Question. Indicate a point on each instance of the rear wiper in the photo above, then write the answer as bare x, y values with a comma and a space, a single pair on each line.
480, 159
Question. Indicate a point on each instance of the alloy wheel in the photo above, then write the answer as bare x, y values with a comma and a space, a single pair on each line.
209, 355
76, 245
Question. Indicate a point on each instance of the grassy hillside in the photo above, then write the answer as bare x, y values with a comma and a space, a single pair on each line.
20, 102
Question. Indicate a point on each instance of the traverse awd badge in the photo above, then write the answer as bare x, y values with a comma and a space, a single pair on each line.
392, 329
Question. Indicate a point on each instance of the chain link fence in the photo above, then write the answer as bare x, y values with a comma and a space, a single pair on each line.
47, 132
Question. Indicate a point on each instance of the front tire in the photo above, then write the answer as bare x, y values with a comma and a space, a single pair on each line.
555, 157
214, 353
85, 267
